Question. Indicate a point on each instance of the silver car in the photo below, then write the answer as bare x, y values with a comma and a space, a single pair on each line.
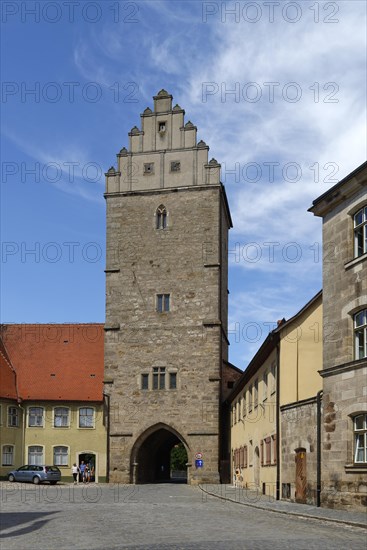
36, 474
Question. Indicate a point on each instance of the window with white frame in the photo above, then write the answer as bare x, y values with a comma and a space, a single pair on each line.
360, 438
86, 417
360, 232
61, 417
8, 455
35, 455
13, 417
35, 417
360, 334
61, 456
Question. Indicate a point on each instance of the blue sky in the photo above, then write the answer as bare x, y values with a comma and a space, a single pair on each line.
277, 91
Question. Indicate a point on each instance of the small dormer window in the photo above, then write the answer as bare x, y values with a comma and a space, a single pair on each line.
161, 127
149, 168
175, 166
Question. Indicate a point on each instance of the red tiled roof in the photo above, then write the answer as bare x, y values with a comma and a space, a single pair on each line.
57, 361
8, 388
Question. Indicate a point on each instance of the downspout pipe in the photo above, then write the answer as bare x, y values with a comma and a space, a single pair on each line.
277, 421
107, 404
318, 475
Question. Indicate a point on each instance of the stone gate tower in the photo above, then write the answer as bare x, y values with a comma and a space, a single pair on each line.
166, 300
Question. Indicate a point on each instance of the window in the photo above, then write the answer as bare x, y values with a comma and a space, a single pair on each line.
360, 232
60, 456
256, 392
163, 304
159, 377
268, 450
86, 417
250, 398
265, 386
273, 377
245, 456
161, 217
360, 334
13, 417
145, 381
274, 439
244, 405
35, 417
61, 417
8, 455
35, 455
172, 380
175, 166
242, 457
161, 127
360, 438
149, 168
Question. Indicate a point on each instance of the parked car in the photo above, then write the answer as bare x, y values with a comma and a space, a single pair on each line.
36, 474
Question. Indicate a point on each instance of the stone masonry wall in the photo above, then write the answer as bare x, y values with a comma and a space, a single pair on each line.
187, 340
299, 429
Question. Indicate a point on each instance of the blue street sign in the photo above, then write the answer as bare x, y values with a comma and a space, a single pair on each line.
199, 463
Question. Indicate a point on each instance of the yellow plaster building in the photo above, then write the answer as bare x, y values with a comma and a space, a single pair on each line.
268, 408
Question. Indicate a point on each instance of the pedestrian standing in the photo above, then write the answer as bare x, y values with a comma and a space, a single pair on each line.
82, 471
75, 472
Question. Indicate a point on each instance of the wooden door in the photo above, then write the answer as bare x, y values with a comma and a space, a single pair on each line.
301, 477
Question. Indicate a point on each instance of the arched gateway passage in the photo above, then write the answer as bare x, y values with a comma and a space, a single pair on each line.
151, 455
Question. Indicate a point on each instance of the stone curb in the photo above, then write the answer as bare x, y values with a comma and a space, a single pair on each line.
296, 514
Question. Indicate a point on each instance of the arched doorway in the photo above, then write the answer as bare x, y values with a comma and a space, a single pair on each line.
88, 457
152, 456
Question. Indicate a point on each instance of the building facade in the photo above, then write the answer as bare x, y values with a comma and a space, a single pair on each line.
273, 432
52, 397
344, 454
166, 308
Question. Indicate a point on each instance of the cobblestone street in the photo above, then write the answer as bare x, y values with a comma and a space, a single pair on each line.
154, 516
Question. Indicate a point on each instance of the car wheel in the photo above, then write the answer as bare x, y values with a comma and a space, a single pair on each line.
36, 480
11, 478
53, 482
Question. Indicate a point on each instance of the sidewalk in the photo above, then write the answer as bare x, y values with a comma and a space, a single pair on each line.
245, 497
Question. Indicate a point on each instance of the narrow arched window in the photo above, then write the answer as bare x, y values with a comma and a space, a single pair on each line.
161, 217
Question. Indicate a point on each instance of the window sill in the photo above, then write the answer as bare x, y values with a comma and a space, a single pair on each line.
61, 427
356, 468
355, 261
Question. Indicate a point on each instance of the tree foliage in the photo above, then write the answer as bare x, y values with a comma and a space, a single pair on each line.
178, 457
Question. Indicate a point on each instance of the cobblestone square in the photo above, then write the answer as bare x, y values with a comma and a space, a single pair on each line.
161, 516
